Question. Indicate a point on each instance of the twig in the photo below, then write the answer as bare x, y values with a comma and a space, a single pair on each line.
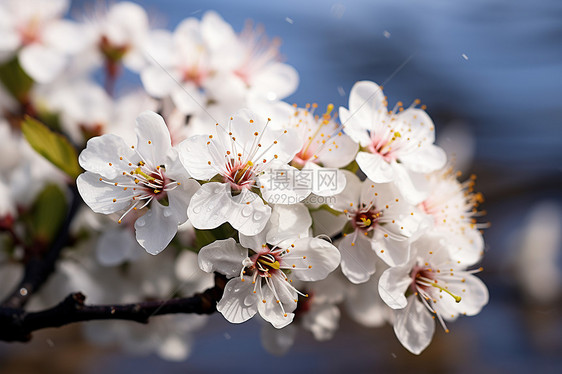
17, 324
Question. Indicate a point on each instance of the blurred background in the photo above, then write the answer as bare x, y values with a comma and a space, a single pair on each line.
490, 73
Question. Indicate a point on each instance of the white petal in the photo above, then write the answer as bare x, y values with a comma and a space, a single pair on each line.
357, 130
65, 36
358, 260
414, 326
365, 306
270, 310
247, 213
288, 222
322, 320
156, 229
278, 341
116, 246
157, 81
349, 197
210, 206
375, 167
366, 96
425, 160
153, 138
232, 305
103, 156
392, 252
325, 182
194, 154
225, 256
42, 63
99, 196
313, 258
276, 79
341, 152
180, 197
284, 184
405, 181
393, 284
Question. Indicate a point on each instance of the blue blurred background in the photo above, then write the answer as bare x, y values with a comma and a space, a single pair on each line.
490, 73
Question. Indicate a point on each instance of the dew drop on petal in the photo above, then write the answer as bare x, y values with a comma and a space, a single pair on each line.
141, 222
246, 211
167, 213
258, 216
197, 209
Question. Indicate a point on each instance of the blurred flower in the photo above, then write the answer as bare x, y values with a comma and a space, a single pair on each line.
35, 31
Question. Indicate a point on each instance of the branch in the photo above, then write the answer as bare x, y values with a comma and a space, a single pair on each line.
17, 324
39, 268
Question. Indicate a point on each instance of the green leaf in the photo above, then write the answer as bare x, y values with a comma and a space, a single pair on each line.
49, 212
15, 80
54, 147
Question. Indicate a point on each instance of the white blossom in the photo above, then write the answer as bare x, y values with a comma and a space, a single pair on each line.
396, 146
262, 267
122, 178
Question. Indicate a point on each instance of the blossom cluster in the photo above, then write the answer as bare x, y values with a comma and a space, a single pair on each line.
304, 209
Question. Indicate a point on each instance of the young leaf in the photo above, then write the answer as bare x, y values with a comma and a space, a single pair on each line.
54, 147
15, 80
49, 211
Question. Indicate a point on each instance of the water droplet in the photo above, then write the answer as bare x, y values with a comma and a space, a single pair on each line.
246, 211
197, 209
229, 289
141, 222
258, 216
217, 190
23, 291
167, 213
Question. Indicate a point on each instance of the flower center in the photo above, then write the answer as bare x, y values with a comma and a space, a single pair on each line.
385, 146
147, 183
240, 175
366, 219
425, 278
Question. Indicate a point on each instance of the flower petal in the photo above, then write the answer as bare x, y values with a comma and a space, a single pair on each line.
99, 196
225, 256
414, 326
288, 222
311, 259
195, 155
210, 206
42, 63
375, 167
232, 304
357, 260
349, 197
156, 229
393, 284
247, 213
153, 138
103, 156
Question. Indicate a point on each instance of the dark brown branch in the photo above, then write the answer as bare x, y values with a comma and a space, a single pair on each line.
39, 267
17, 325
